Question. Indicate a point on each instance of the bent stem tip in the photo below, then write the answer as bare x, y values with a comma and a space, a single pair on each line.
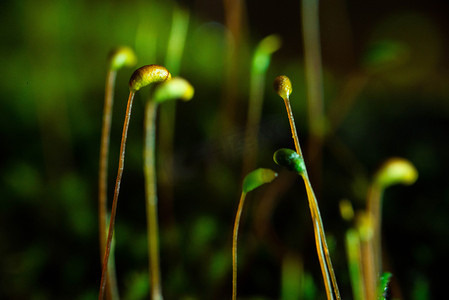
251, 181
146, 75
140, 78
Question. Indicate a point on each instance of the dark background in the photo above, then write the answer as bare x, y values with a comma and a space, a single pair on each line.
54, 62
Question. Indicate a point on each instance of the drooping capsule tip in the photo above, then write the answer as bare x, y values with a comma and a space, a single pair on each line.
283, 86
257, 178
175, 88
146, 75
395, 171
122, 56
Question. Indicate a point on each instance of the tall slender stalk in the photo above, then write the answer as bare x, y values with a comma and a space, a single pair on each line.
171, 89
355, 266
116, 192
102, 180
122, 56
393, 171
151, 202
283, 87
251, 181
234, 245
139, 79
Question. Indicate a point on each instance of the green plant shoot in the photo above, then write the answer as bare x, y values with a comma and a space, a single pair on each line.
252, 181
176, 88
283, 87
140, 78
118, 58
393, 171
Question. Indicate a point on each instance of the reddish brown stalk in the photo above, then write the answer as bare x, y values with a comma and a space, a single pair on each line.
116, 193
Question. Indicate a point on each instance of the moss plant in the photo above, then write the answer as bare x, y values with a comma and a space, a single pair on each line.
259, 66
363, 243
252, 181
118, 58
176, 88
283, 87
393, 171
140, 78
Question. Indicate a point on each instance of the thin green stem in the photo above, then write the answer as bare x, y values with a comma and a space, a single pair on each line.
234, 245
372, 255
116, 193
111, 282
151, 200
368, 268
375, 209
104, 152
355, 266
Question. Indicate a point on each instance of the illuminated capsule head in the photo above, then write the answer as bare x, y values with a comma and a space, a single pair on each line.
283, 86
395, 171
289, 159
258, 177
122, 57
175, 88
146, 75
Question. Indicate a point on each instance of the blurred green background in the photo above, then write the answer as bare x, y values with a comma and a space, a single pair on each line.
386, 82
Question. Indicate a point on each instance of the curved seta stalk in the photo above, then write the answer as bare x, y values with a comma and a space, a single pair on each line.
139, 79
176, 88
251, 181
122, 56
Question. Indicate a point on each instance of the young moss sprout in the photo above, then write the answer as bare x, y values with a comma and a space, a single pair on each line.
251, 181
176, 88
283, 87
118, 58
393, 171
140, 78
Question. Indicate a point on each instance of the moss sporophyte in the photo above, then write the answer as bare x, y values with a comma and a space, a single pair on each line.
172, 89
288, 159
140, 78
251, 181
118, 58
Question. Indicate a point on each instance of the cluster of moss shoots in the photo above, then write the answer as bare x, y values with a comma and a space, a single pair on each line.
363, 243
